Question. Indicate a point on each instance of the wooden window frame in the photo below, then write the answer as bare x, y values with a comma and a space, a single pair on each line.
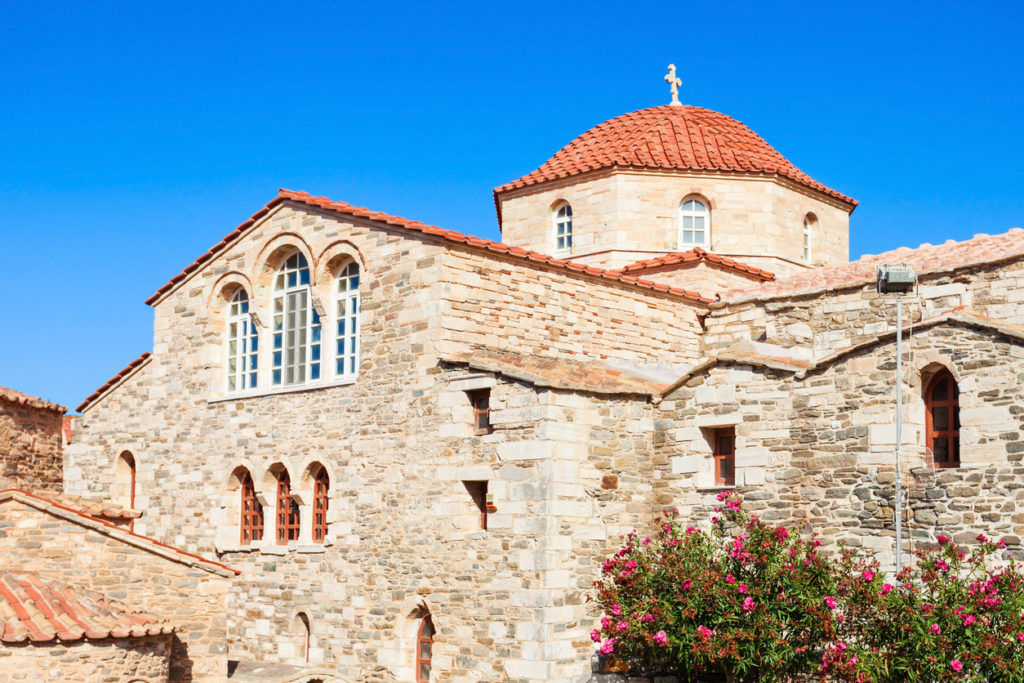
481, 415
724, 455
321, 489
952, 432
420, 641
287, 511
251, 522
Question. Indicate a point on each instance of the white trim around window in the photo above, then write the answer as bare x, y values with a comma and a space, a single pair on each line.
694, 223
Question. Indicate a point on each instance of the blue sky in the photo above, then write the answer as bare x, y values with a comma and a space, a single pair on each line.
134, 136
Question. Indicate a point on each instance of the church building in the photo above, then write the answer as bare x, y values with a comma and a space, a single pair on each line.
416, 446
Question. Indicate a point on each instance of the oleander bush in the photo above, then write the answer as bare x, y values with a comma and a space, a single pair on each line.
758, 602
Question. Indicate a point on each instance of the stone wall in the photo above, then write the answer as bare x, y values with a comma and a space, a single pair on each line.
109, 660
193, 599
820, 449
30, 442
621, 217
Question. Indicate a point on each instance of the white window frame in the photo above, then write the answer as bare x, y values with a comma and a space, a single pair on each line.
561, 227
241, 345
687, 210
292, 303
346, 324
808, 251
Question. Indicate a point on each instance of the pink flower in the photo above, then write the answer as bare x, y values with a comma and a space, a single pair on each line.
955, 665
667, 528
1020, 636
943, 540
934, 629
867, 574
595, 636
622, 626
982, 538
781, 533
722, 495
616, 609
729, 578
704, 632
748, 604
608, 646
647, 617
660, 638
830, 601
734, 504
886, 589
968, 619
605, 622
686, 585
646, 541
742, 588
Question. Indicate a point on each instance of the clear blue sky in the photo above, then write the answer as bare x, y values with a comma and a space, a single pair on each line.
133, 136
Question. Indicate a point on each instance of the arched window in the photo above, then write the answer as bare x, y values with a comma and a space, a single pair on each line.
252, 512
424, 645
810, 223
305, 633
287, 510
694, 223
321, 485
942, 419
296, 325
126, 481
243, 344
563, 227
346, 310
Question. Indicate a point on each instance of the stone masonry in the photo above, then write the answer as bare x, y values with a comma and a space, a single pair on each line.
31, 444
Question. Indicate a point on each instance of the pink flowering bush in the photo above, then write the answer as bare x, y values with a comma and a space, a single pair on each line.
747, 599
753, 601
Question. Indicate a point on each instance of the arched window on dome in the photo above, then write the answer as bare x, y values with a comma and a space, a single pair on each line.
296, 352
346, 312
810, 226
243, 344
942, 419
562, 220
694, 223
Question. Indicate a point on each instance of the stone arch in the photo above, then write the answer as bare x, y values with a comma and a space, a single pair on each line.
405, 630
698, 193
224, 288
333, 257
301, 635
273, 254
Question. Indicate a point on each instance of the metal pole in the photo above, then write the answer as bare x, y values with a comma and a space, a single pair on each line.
899, 431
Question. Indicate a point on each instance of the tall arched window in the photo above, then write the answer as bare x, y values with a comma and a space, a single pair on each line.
694, 223
346, 311
563, 227
424, 645
287, 510
125, 473
243, 345
305, 632
942, 419
810, 223
252, 512
296, 325
321, 486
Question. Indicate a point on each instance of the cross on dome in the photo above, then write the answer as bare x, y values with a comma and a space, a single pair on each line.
674, 84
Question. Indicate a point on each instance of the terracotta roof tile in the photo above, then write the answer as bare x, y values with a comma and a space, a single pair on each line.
672, 138
927, 258
30, 401
37, 610
124, 372
693, 256
559, 373
92, 513
415, 226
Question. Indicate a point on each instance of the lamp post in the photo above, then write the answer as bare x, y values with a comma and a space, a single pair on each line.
898, 280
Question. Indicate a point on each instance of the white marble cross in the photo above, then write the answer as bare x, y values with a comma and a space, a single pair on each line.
674, 82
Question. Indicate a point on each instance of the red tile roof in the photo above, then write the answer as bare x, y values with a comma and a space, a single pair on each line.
693, 256
544, 371
40, 611
68, 508
29, 401
423, 228
926, 259
124, 372
673, 138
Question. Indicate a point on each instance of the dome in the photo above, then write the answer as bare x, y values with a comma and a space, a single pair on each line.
671, 138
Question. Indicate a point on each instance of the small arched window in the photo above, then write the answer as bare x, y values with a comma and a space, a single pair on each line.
810, 223
304, 632
252, 512
942, 419
296, 352
127, 480
424, 646
694, 223
287, 510
243, 344
346, 311
321, 486
563, 227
